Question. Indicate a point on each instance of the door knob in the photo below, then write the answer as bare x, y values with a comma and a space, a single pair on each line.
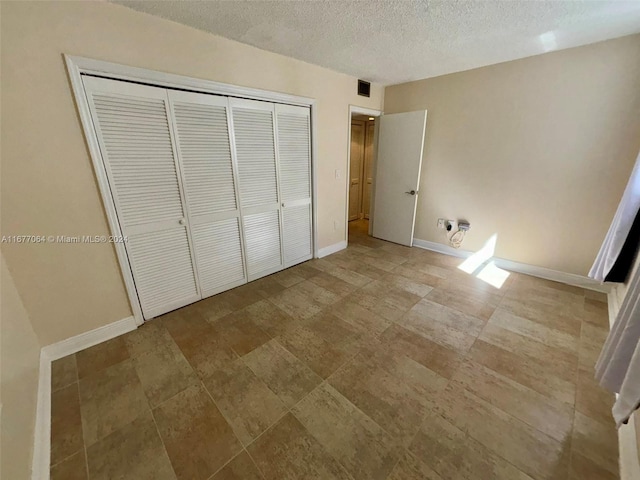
412, 192
181, 221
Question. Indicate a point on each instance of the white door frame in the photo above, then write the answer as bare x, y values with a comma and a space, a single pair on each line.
354, 109
76, 66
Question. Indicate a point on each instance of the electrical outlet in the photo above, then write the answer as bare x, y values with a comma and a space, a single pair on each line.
441, 223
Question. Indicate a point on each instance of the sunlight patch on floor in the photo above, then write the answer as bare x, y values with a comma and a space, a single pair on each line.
482, 267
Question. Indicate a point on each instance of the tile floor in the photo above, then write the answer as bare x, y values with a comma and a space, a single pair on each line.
377, 362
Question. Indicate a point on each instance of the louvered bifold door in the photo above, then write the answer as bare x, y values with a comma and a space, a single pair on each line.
294, 160
254, 139
204, 150
134, 134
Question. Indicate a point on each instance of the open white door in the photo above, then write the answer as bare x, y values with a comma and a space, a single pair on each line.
398, 164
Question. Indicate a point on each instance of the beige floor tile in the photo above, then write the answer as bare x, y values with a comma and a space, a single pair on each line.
554, 315
440, 359
133, 452
287, 278
317, 353
163, 372
550, 416
240, 468
534, 330
73, 468
247, 403
591, 399
265, 287
563, 362
66, 423
63, 372
532, 451
101, 356
351, 277
410, 468
596, 311
109, 400
198, 439
362, 319
469, 300
350, 436
333, 329
443, 325
241, 332
333, 284
148, 336
592, 338
296, 303
393, 390
596, 441
289, 451
454, 455
214, 307
202, 345
282, 372
583, 468
423, 273
409, 285
269, 318
241, 297
544, 377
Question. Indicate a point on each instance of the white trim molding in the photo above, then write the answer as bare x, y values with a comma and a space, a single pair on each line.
336, 247
534, 271
42, 434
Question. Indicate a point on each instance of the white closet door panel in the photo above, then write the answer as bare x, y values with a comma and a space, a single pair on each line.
255, 152
161, 264
294, 161
294, 150
205, 152
138, 150
262, 237
219, 252
204, 149
298, 245
136, 143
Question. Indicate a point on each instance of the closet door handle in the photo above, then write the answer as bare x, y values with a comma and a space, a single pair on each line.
182, 221
412, 192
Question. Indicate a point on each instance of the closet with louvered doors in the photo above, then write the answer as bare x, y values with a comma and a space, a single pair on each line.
211, 191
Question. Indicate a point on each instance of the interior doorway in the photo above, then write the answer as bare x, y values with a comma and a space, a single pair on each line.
362, 144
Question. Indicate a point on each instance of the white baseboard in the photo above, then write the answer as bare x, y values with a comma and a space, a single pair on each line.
42, 440
336, 247
89, 339
541, 272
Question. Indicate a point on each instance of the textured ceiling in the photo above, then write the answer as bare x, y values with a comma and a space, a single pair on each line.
395, 41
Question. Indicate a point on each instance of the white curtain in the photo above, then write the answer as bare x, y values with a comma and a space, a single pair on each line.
620, 227
618, 368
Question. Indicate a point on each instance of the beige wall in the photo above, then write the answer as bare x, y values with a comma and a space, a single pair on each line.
48, 184
537, 150
19, 360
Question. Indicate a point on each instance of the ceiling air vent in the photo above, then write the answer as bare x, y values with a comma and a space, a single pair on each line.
364, 88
